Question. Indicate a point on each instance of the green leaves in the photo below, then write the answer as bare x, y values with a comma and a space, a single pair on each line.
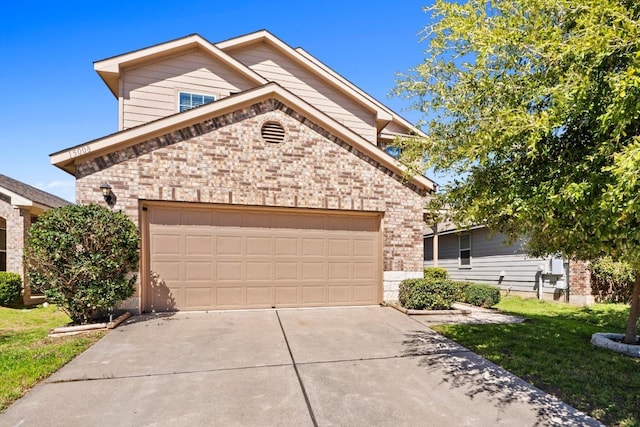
536, 105
80, 256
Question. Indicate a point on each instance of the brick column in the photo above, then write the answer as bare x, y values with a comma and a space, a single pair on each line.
580, 283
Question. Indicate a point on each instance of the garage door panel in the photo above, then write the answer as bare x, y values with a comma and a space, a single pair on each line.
198, 297
229, 245
197, 217
286, 221
259, 271
197, 271
166, 270
227, 270
314, 295
364, 271
166, 243
340, 223
339, 247
362, 294
339, 271
286, 271
313, 247
166, 216
286, 296
339, 294
195, 244
256, 220
315, 222
227, 219
314, 271
286, 246
234, 258
259, 246
364, 248
229, 296
259, 296
370, 224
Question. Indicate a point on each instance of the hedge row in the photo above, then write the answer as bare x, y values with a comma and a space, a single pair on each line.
440, 294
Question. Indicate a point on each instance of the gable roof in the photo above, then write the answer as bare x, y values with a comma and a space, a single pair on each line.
109, 69
67, 158
384, 115
22, 194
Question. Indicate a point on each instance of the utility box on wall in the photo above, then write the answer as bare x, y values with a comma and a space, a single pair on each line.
557, 266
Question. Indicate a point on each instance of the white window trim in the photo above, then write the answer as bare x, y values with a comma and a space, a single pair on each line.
190, 92
460, 249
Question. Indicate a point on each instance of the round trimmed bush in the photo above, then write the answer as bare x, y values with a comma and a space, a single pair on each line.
81, 257
481, 295
423, 294
10, 288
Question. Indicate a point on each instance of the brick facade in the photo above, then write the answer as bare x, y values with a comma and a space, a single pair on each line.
18, 223
580, 283
224, 160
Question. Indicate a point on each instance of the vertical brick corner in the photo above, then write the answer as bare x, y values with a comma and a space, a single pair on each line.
580, 283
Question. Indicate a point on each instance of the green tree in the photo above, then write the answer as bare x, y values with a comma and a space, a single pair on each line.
535, 105
82, 257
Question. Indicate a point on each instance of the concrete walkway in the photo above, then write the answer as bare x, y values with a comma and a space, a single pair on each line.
341, 366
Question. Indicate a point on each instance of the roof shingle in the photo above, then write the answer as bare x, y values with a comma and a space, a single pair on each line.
32, 193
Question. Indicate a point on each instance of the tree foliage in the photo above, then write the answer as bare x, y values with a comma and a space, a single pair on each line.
535, 104
81, 257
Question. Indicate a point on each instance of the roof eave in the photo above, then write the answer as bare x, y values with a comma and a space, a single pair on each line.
110, 69
66, 159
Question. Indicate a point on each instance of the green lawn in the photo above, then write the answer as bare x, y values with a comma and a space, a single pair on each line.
27, 355
551, 350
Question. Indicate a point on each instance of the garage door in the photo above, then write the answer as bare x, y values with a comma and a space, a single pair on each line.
224, 258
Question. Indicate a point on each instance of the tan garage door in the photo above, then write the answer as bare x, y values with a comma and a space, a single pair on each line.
249, 258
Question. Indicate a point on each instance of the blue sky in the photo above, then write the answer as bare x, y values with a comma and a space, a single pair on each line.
54, 99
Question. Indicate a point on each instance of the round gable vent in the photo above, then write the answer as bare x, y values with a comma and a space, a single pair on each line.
272, 132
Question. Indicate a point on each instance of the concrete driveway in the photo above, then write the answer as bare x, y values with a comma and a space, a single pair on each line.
340, 366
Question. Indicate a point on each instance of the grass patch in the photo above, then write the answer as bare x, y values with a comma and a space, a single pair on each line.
27, 355
552, 351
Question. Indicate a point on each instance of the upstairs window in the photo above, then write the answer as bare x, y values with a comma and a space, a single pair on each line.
192, 100
465, 250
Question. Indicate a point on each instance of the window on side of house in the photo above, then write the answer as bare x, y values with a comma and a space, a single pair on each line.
3, 244
465, 250
192, 100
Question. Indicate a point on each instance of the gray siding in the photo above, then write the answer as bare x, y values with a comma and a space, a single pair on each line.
489, 257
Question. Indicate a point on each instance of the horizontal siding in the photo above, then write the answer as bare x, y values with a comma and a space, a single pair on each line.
150, 91
489, 257
274, 66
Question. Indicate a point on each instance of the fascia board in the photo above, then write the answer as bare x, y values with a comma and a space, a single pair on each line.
110, 67
66, 158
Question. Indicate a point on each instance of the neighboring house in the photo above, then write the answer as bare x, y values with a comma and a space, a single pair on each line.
476, 255
20, 206
274, 192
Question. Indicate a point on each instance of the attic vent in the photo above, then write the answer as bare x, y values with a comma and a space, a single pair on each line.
272, 132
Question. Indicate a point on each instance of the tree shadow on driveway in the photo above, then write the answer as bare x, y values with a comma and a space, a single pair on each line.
462, 369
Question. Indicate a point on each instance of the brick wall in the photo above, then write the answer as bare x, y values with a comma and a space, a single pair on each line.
580, 283
225, 160
18, 222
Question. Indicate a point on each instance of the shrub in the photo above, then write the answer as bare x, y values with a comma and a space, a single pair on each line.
481, 295
611, 281
436, 273
81, 257
10, 288
421, 294
461, 288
